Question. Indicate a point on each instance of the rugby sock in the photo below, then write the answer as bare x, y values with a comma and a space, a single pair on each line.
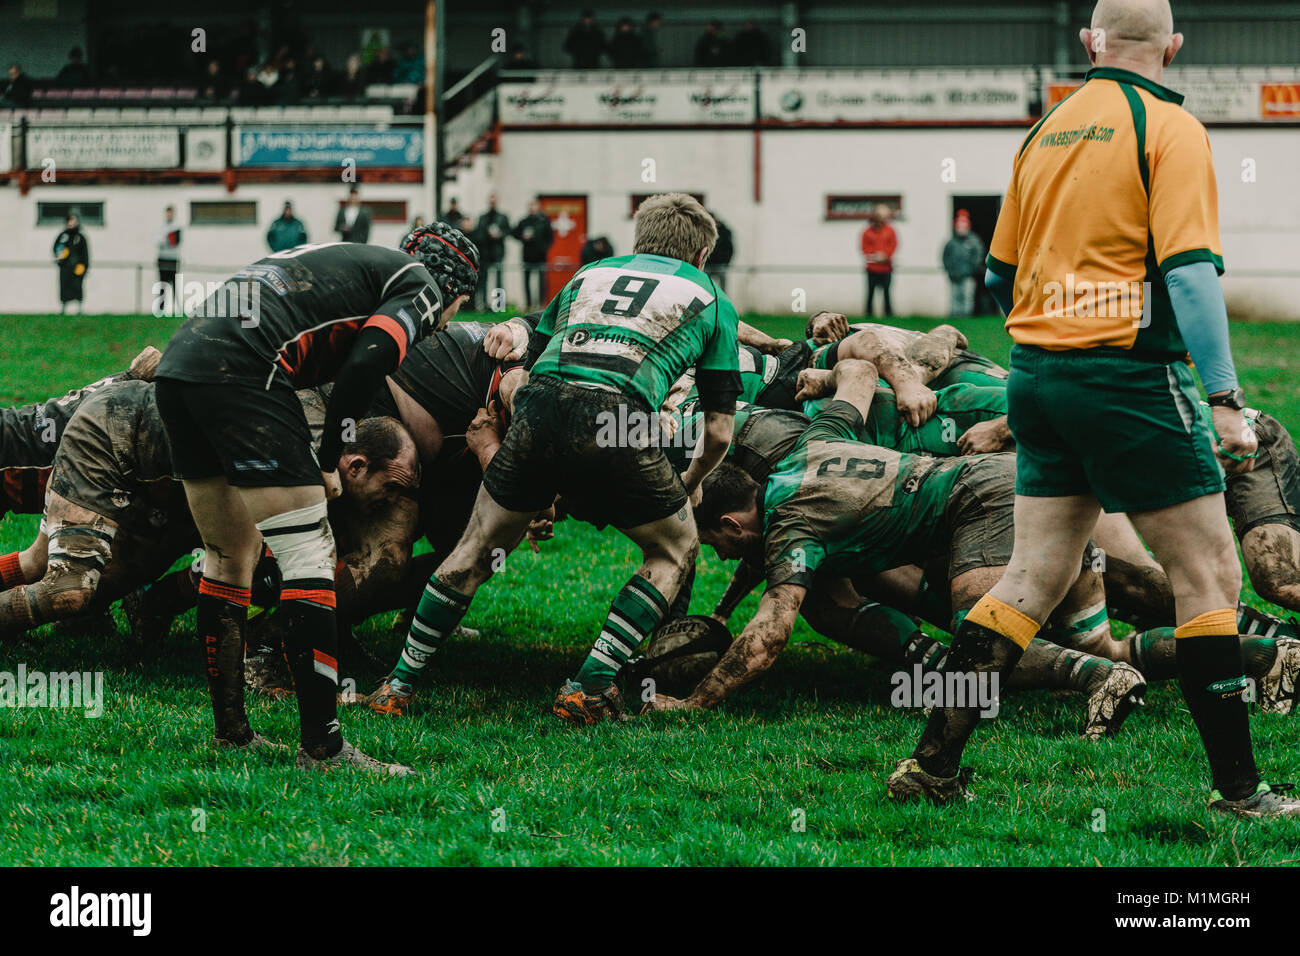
439, 612
11, 572
311, 650
1048, 666
1079, 630
636, 611
990, 641
1210, 674
222, 616
892, 636
1154, 654
1252, 621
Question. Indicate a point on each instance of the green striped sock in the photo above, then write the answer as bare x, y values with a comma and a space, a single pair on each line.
440, 609
1079, 628
636, 611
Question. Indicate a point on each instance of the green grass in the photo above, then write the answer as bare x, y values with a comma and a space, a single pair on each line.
816, 735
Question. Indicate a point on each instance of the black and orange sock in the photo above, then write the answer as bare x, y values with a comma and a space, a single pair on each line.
222, 618
1212, 678
311, 648
990, 641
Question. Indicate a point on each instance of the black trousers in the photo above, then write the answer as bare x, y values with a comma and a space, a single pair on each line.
879, 280
537, 269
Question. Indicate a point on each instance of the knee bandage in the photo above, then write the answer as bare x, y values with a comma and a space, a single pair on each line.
78, 553
302, 544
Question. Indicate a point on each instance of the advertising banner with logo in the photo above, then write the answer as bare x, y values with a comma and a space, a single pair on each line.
630, 99
875, 96
118, 147
272, 146
1215, 96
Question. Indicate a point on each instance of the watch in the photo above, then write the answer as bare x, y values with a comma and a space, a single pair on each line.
1233, 399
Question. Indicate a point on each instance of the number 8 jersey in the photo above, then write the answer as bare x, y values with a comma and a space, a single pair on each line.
634, 324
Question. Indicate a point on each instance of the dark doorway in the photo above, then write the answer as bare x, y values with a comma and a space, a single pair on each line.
983, 212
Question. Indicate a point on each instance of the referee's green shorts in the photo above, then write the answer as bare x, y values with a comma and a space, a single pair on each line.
1122, 426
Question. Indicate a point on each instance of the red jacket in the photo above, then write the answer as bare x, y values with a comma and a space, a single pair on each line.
881, 240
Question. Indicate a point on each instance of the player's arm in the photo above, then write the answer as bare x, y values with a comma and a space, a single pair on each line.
746, 334
983, 437
746, 577
1004, 255
1184, 223
376, 354
826, 327
916, 402
717, 379
753, 652
144, 365
852, 381
719, 426
516, 338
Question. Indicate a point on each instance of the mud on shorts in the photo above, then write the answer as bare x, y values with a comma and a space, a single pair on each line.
565, 439
981, 514
1122, 426
779, 393
255, 437
971, 368
1270, 492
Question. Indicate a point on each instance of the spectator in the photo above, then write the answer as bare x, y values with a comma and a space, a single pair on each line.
268, 76
169, 253
650, 40
963, 254
535, 232
453, 216
716, 265
585, 42
751, 47
519, 59
18, 91
712, 49
287, 88
287, 231
72, 256
252, 92
215, 85
352, 84
74, 72
353, 221
626, 52
595, 249
878, 246
416, 223
410, 68
494, 227
319, 81
382, 67
469, 226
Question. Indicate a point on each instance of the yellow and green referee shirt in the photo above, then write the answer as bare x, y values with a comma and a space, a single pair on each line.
1112, 188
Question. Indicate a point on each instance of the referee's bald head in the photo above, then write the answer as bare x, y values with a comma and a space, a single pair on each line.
1131, 32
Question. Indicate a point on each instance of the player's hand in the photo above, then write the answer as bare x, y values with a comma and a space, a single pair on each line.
916, 403
829, 327
333, 486
1236, 438
664, 702
541, 528
814, 383
776, 346
482, 436
506, 341
983, 438
145, 364
667, 425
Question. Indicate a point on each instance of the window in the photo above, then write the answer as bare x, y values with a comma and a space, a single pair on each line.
56, 213
383, 210
233, 212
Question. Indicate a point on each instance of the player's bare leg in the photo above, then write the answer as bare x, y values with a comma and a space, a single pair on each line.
492, 534
1137, 588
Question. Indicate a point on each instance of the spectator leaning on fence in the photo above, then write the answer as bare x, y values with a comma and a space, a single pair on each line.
287, 231
963, 256
585, 42
17, 90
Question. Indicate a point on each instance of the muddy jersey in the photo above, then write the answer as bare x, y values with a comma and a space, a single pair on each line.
838, 504
295, 315
30, 434
760, 439
957, 408
634, 324
450, 375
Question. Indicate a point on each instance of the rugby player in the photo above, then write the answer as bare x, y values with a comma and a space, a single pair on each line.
1116, 184
621, 332
341, 312
836, 507
29, 437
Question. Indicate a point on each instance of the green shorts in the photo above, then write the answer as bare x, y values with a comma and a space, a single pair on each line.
971, 368
1122, 426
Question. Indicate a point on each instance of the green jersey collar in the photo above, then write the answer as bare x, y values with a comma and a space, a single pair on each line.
1134, 79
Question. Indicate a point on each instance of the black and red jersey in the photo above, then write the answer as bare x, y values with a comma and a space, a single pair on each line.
295, 315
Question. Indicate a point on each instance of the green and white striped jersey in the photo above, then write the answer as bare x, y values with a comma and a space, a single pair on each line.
635, 324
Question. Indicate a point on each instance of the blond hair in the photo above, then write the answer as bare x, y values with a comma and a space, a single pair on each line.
673, 225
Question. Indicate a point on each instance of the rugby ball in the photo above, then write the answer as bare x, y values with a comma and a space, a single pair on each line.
677, 656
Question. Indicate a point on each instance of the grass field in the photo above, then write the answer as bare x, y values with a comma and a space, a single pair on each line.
504, 783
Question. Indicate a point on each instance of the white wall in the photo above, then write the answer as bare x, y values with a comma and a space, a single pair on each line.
782, 243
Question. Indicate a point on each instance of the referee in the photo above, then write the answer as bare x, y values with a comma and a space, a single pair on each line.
1106, 260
